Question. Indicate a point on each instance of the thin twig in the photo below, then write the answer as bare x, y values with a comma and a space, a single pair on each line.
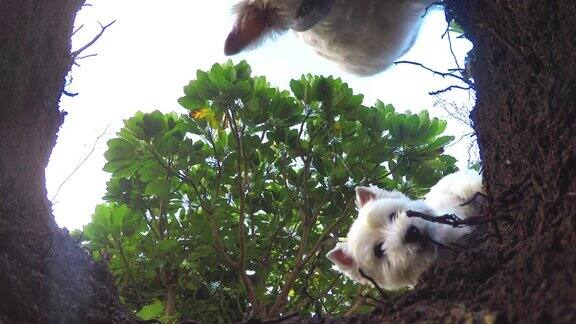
75, 54
442, 74
79, 239
83, 57
79, 164
279, 303
77, 30
448, 219
447, 33
380, 290
433, 93
360, 301
455, 221
437, 3
458, 112
70, 94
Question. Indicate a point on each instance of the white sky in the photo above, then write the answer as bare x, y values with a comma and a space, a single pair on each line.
155, 48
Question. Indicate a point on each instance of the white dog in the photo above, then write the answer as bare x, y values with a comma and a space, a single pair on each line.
394, 249
364, 37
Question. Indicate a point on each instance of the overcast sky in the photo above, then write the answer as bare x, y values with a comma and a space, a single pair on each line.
155, 48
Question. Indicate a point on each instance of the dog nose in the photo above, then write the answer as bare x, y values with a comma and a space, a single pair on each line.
413, 235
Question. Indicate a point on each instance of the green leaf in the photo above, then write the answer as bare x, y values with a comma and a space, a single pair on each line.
440, 142
456, 28
298, 89
152, 311
436, 127
191, 103
166, 246
410, 125
158, 187
313, 144
243, 70
102, 215
152, 171
153, 123
95, 231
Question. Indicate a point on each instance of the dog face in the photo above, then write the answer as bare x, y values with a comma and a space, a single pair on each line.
384, 243
257, 20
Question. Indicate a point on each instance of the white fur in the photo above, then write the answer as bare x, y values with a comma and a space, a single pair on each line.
403, 263
363, 37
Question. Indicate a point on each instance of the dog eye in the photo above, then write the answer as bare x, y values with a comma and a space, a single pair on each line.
305, 8
393, 216
378, 252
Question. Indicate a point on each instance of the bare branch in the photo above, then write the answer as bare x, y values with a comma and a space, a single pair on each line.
75, 54
433, 93
241, 187
241, 263
70, 94
447, 33
77, 30
453, 220
360, 301
442, 74
256, 308
437, 3
79, 165
83, 57
209, 212
280, 301
380, 290
458, 112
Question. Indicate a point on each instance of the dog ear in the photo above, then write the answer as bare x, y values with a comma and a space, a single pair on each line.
254, 23
364, 195
342, 258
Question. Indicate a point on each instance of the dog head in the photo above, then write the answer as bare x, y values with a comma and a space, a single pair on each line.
384, 243
257, 20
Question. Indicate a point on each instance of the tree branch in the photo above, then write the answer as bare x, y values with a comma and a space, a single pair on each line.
75, 54
241, 264
280, 301
447, 33
360, 301
209, 212
79, 165
241, 188
437, 92
442, 74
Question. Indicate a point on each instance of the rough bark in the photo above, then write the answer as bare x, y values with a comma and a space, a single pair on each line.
523, 65
44, 275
